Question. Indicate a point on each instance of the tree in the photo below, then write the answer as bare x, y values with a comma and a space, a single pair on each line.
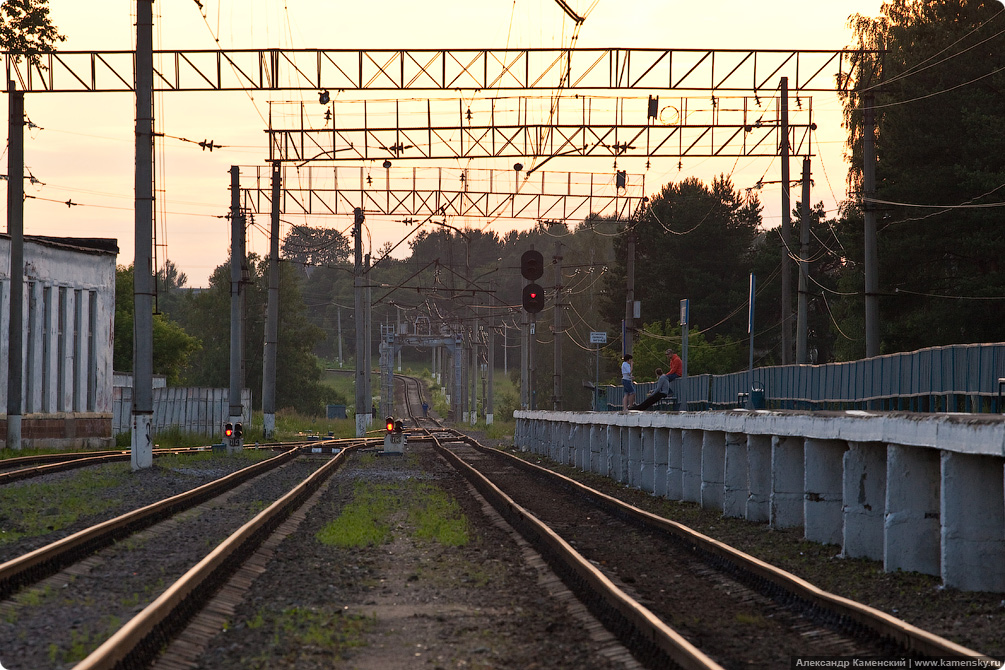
27, 31
172, 346
941, 162
314, 247
298, 376
693, 242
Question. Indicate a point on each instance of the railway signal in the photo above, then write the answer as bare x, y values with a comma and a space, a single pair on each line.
395, 439
533, 298
228, 430
239, 430
531, 264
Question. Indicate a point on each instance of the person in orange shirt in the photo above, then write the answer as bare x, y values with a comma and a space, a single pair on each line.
676, 365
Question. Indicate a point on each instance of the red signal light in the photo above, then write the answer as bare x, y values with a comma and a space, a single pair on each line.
533, 298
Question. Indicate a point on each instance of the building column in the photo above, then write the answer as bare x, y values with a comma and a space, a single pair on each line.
713, 464
864, 500
973, 522
822, 515
735, 486
912, 537
759, 478
691, 465
786, 482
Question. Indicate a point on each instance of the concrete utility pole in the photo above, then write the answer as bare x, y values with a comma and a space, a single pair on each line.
15, 227
557, 390
368, 343
142, 450
871, 242
272, 314
802, 329
236, 336
629, 342
489, 393
362, 395
783, 113
525, 357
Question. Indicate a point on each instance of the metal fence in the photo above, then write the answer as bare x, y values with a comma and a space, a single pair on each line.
955, 378
197, 410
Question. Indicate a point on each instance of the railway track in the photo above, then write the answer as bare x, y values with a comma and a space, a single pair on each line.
672, 597
150, 544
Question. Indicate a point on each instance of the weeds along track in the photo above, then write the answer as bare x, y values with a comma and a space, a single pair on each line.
673, 595
96, 578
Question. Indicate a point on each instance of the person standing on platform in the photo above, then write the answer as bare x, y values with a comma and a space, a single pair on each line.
626, 383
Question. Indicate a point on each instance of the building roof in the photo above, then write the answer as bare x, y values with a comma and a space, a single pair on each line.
82, 244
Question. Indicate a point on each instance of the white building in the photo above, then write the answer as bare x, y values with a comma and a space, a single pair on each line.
69, 315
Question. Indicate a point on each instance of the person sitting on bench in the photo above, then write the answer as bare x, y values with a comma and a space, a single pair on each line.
662, 391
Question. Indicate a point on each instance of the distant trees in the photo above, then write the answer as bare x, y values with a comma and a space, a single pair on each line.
172, 345
298, 377
694, 241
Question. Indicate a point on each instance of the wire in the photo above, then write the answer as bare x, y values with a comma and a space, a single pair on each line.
915, 69
950, 297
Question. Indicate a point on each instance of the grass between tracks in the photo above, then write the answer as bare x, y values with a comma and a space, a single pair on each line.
429, 514
30, 509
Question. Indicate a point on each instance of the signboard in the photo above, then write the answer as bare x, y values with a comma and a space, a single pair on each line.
598, 338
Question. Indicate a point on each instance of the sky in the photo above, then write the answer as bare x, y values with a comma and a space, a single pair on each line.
80, 146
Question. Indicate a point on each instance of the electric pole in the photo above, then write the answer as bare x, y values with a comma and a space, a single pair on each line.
802, 334
362, 401
557, 390
236, 335
272, 314
142, 454
786, 228
15, 227
871, 243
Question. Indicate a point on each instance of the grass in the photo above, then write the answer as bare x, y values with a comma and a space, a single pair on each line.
31, 509
36, 509
430, 514
300, 632
83, 641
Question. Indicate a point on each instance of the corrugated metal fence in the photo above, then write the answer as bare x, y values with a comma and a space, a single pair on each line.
198, 410
956, 378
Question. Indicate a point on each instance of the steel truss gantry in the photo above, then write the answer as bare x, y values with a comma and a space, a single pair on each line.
516, 127
716, 70
424, 192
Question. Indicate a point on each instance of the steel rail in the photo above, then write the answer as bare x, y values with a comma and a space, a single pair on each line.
49, 463
910, 637
144, 636
636, 625
45, 561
